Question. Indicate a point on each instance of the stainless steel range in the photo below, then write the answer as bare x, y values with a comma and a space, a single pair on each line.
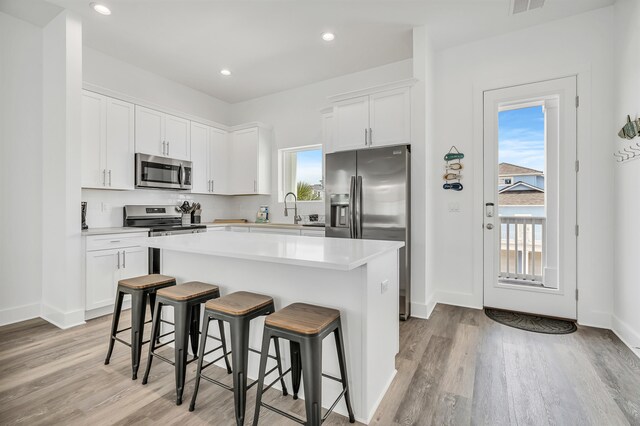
161, 220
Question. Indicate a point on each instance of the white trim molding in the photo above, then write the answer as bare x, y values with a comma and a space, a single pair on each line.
628, 335
19, 313
409, 82
63, 320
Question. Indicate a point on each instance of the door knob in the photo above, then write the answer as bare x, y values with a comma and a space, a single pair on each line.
489, 226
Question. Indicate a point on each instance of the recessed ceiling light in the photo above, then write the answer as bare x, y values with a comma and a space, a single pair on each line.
101, 8
225, 72
328, 36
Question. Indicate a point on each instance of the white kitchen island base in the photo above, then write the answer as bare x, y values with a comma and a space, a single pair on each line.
358, 277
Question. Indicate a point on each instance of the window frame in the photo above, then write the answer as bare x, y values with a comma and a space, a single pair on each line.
284, 169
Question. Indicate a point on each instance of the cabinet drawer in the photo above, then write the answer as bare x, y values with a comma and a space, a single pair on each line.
113, 241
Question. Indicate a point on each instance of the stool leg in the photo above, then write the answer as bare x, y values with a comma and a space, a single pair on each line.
240, 350
296, 367
138, 306
182, 320
311, 351
224, 345
203, 344
117, 308
155, 333
279, 363
343, 371
195, 328
264, 355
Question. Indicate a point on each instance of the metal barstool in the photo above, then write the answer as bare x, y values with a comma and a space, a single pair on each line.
238, 309
186, 300
139, 288
305, 326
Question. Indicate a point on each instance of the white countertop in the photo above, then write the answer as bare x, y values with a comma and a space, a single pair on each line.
262, 225
107, 231
328, 253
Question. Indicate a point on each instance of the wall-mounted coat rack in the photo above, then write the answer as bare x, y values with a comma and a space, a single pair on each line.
630, 130
628, 153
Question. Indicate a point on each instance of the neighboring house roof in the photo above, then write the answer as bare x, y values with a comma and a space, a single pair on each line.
521, 194
520, 186
508, 169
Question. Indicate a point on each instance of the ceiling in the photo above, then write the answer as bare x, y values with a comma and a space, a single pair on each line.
272, 46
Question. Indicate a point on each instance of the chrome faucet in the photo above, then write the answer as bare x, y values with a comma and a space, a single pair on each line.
296, 216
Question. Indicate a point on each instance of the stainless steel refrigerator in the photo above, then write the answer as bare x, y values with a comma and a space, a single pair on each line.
368, 196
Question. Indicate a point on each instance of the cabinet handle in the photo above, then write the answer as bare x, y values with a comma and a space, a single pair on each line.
164, 150
370, 137
109, 177
365, 137
124, 259
167, 147
212, 185
104, 177
118, 260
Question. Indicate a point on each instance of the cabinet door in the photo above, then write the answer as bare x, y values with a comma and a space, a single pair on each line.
149, 131
120, 146
390, 117
135, 262
93, 143
351, 122
219, 161
327, 132
176, 133
200, 148
102, 275
244, 161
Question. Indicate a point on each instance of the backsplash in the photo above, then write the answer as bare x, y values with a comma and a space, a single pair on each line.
104, 207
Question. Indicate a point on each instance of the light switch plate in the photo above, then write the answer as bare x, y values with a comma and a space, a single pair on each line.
384, 286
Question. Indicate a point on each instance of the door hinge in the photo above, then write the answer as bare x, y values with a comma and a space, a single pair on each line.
577, 230
577, 101
577, 166
576, 294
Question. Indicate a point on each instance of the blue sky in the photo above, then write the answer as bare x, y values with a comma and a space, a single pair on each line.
521, 137
309, 166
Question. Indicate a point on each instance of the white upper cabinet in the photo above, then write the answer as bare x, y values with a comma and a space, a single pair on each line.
107, 142
161, 134
200, 149
250, 162
376, 119
351, 121
390, 117
219, 161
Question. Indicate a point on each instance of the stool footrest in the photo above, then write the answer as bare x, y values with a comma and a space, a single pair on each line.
333, 405
117, 339
283, 413
332, 377
168, 361
274, 382
216, 382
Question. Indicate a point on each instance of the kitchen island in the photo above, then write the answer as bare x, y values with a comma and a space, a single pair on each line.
358, 277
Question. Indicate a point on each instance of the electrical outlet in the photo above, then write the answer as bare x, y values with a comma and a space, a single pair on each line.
384, 286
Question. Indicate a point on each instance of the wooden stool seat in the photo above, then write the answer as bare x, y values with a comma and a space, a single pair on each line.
146, 281
239, 303
189, 290
303, 318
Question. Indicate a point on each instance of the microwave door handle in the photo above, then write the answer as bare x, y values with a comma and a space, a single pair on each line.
180, 175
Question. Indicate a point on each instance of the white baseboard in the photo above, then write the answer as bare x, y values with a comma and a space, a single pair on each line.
19, 313
377, 404
106, 310
422, 310
628, 335
61, 319
465, 300
597, 319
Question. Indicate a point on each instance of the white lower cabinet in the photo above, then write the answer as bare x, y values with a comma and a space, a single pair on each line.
104, 267
312, 232
280, 231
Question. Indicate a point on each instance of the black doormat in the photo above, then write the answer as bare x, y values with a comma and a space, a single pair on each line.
530, 322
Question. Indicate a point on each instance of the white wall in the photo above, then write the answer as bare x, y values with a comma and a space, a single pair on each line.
626, 320
113, 74
62, 284
580, 45
20, 169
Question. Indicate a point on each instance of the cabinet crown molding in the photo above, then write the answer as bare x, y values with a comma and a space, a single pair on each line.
375, 89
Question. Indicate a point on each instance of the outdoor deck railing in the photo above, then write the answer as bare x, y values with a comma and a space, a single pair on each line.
522, 248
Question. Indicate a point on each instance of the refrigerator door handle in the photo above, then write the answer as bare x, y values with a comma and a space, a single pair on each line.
352, 202
358, 212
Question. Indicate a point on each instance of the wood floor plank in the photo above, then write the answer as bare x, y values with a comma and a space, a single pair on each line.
457, 368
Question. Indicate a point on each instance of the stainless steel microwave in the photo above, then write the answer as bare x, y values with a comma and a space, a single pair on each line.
160, 172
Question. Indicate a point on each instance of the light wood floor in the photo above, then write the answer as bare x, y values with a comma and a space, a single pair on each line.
457, 368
